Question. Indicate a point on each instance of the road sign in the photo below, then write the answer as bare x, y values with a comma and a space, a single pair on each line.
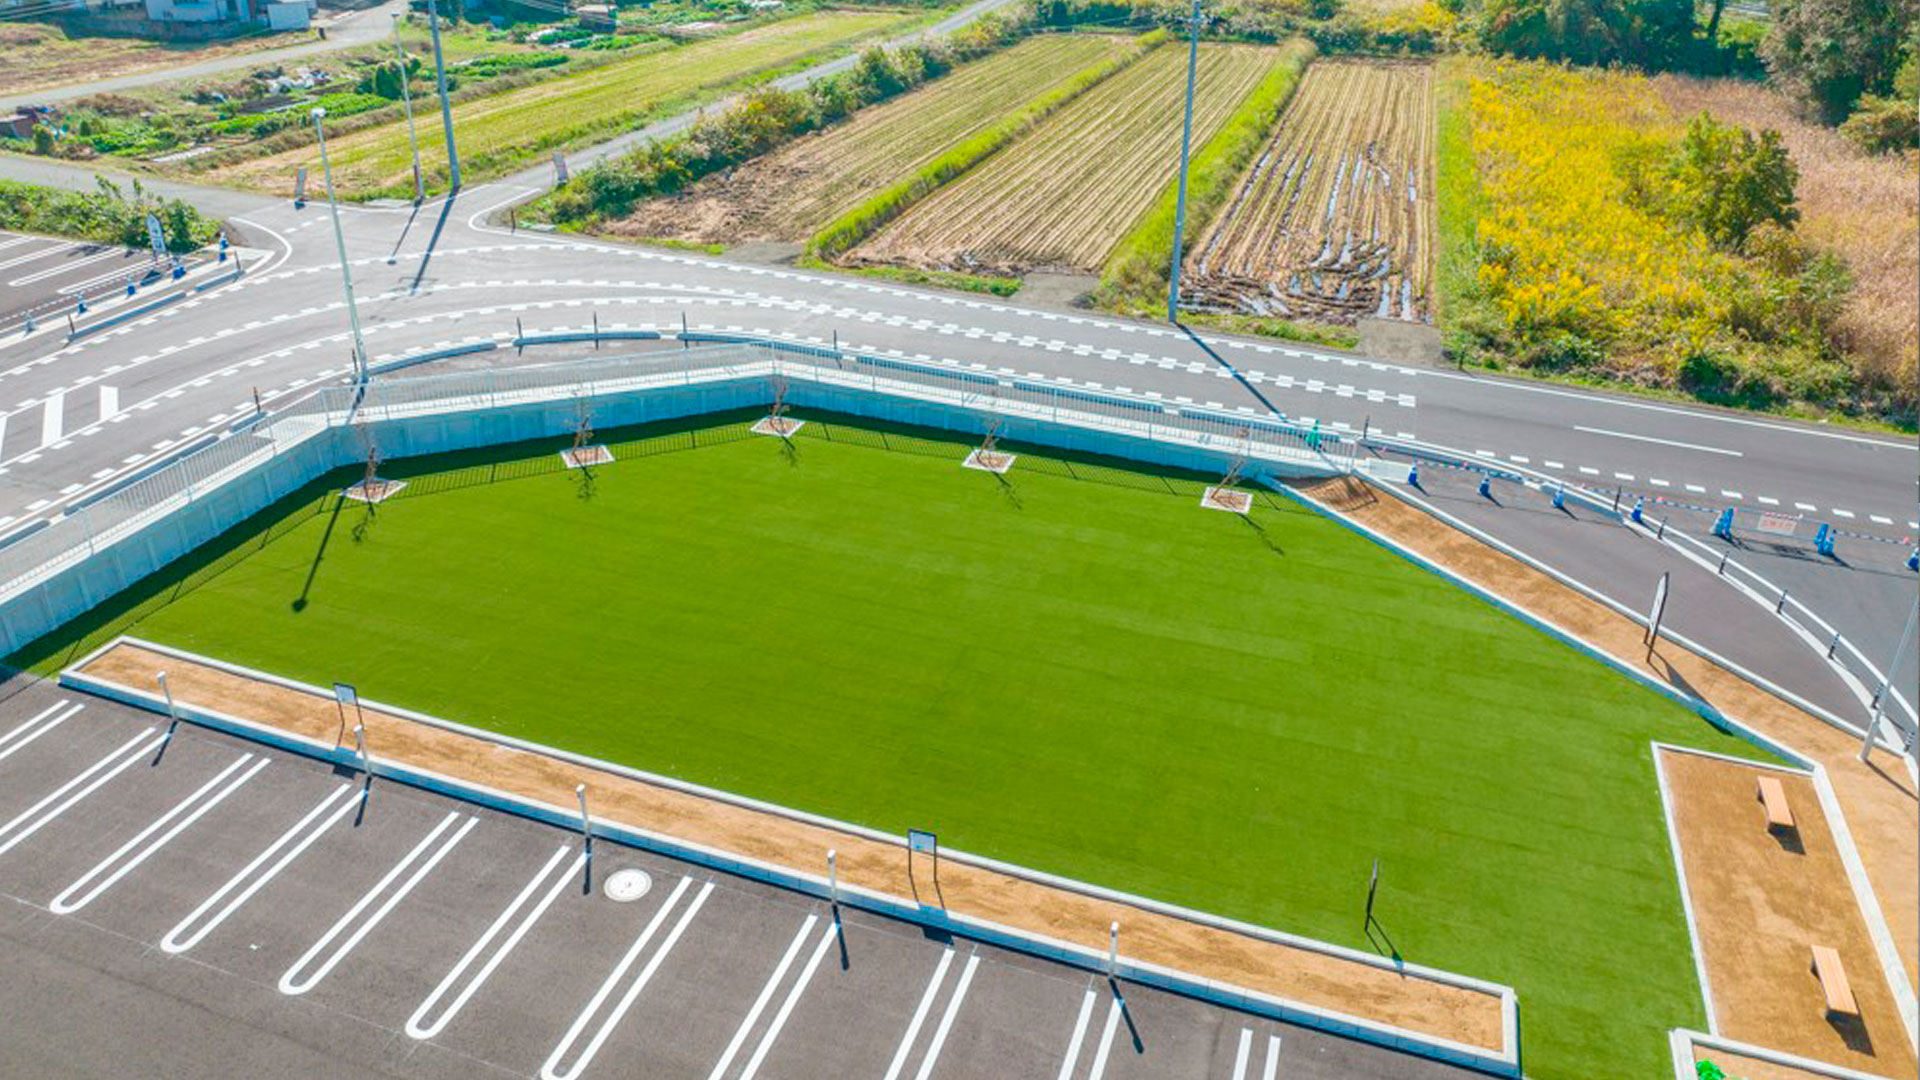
923, 842
1779, 524
345, 694
1659, 608
155, 237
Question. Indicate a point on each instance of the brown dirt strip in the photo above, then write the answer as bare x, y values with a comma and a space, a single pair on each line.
1761, 902
1876, 798
1465, 1016
1752, 1068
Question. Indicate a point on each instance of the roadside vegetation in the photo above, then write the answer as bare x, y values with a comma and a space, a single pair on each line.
109, 215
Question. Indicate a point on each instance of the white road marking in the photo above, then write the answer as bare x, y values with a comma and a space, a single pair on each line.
52, 418
760, 1003
35, 817
1079, 1033
1273, 1058
1241, 1053
947, 1018
13, 740
920, 1015
66, 903
1731, 494
172, 943
292, 984
1662, 442
1106, 1038
1879, 520
1839, 513
416, 1027
551, 1069
827, 937
73, 264
1766, 500
109, 401
1805, 507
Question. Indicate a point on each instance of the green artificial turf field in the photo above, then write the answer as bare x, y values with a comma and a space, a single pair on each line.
1080, 671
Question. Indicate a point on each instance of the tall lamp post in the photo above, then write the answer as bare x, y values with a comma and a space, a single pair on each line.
1186, 142
1886, 683
406, 96
340, 240
446, 110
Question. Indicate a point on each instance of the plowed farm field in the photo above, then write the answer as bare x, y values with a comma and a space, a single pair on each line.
1061, 197
1334, 220
791, 194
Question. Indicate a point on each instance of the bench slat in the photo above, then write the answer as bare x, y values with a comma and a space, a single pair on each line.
1833, 981
1774, 797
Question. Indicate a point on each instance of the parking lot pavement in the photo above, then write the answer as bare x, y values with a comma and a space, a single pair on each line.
203, 905
42, 276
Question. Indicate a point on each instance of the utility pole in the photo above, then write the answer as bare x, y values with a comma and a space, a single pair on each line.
340, 239
406, 95
446, 110
1886, 683
1186, 143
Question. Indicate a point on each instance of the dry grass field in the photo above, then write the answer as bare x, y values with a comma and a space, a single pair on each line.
1334, 221
1062, 196
1864, 209
790, 194
40, 57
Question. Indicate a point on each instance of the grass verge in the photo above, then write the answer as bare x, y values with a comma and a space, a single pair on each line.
945, 279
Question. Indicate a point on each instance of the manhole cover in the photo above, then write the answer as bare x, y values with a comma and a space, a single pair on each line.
625, 886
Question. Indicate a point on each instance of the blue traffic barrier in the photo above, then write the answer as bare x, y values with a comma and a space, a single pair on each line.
1486, 487
131, 287
1823, 540
1723, 525
1639, 504
179, 271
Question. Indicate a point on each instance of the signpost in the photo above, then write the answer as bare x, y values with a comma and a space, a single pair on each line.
1373, 887
1658, 611
927, 844
343, 696
300, 186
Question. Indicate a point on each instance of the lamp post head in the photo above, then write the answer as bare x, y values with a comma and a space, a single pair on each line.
319, 111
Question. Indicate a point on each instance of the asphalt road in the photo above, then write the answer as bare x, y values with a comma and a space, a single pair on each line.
441, 275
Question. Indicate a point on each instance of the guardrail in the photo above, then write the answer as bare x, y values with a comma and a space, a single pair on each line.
1852, 665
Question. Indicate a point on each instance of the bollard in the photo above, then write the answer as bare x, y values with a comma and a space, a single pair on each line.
1724, 556
1639, 504
1661, 532
1560, 497
586, 822
131, 287
1913, 560
1113, 949
179, 271
1486, 487
833, 876
1413, 475
1723, 525
1834, 645
80, 306
1781, 605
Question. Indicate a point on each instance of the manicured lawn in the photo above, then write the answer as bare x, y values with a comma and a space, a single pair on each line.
1082, 671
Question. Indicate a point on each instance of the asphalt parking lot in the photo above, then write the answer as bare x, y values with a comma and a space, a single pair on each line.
42, 276
199, 905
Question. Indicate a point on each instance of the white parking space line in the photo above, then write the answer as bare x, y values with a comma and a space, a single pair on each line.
293, 983
12, 741
198, 803
551, 1070
827, 938
52, 418
35, 817
1242, 1053
55, 271
920, 1014
760, 1003
301, 836
39, 253
1661, 442
1106, 1038
1079, 1033
417, 1026
947, 1018
1272, 1068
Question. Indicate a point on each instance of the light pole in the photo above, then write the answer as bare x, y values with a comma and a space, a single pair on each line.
446, 110
1186, 141
406, 96
340, 239
1886, 683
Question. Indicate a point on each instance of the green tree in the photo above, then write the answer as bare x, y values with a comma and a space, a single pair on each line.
42, 139
1831, 52
1882, 124
1728, 182
1644, 33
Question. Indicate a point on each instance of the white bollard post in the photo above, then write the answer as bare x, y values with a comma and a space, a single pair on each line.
586, 822
1113, 949
833, 876
173, 715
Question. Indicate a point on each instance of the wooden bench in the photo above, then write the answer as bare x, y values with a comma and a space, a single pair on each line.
1833, 982
1774, 798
